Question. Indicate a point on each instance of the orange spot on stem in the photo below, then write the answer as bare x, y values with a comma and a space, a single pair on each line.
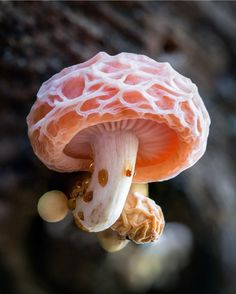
128, 172
88, 196
103, 177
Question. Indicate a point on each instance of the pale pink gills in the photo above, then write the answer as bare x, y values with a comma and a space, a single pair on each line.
111, 241
52, 206
141, 220
134, 118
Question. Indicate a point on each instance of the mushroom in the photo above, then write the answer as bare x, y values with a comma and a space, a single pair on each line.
129, 117
52, 206
141, 188
111, 241
141, 220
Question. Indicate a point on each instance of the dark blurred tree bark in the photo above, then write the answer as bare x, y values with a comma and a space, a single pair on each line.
37, 39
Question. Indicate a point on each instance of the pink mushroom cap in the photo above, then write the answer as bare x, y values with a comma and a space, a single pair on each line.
126, 91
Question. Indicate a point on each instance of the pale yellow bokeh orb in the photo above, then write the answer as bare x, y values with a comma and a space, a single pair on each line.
52, 206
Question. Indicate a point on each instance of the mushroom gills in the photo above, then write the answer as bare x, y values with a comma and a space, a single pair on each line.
101, 205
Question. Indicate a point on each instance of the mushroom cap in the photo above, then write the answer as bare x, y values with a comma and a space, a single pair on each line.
52, 206
127, 91
111, 241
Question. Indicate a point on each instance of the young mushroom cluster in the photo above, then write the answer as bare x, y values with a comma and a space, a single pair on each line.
124, 118
141, 220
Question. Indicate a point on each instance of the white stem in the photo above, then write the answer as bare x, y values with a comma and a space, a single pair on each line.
114, 163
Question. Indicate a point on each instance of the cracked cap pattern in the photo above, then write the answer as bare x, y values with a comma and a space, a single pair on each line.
111, 89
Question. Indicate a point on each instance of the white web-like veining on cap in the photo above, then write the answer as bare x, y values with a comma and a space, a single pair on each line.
180, 89
107, 79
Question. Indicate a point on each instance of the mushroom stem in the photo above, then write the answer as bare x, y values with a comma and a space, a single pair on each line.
114, 162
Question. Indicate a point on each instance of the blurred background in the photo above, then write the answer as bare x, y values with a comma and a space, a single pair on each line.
197, 253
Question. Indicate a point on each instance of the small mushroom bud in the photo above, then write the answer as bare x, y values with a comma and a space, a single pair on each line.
111, 241
52, 206
141, 220
141, 188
